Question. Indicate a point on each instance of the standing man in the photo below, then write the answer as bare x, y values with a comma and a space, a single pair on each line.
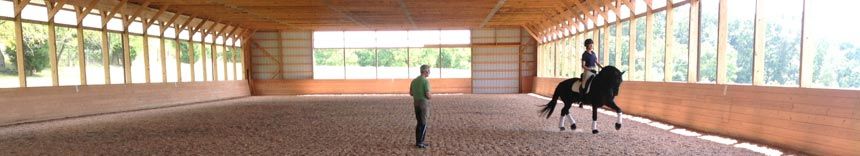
420, 92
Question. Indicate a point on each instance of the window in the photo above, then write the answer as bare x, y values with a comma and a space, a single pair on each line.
155, 72
221, 63
658, 47
198, 61
8, 66
392, 63
782, 41
231, 62
117, 70
739, 53
566, 61
37, 65
360, 63
708, 28
389, 54
835, 47
625, 48
94, 58
68, 64
456, 62
207, 61
422, 56
611, 45
185, 61
170, 61
138, 67
330, 61
680, 46
639, 60
240, 62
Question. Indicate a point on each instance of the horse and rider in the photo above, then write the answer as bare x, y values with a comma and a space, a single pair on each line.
594, 88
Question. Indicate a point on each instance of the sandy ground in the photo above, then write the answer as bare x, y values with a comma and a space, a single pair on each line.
347, 125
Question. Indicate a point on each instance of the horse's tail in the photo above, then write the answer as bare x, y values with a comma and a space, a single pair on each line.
550, 107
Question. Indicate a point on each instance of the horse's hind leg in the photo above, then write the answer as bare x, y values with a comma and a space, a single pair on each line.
618, 110
594, 120
565, 111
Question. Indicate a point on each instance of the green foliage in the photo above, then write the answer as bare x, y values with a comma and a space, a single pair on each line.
35, 48
185, 55
328, 57
390, 57
456, 58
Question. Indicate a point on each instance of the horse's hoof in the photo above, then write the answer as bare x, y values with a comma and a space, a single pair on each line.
573, 127
561, 128
617, 126
594, 131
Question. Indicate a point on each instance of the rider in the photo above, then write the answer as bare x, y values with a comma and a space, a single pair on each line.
589, 62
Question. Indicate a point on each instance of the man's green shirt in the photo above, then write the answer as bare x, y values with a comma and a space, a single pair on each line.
419, 87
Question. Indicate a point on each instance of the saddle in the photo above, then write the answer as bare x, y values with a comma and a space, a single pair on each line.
578, 87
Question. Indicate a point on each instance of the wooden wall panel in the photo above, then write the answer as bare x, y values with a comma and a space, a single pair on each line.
815, 121
382, 86
293, 49
45, 103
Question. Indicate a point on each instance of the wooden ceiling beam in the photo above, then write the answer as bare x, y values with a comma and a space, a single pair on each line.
20, 6
495, 9
344, 14
54, 6
106, 17
129, 18
84, 11
407, 14
150, 21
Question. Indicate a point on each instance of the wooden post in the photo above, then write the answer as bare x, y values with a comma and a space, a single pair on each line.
176, 43
649, 35
668, 61
722, 42
81, 13
693, 56
52, 41
146, 49
126, 50
617, 56
631, 59
19, 42
105, 46
807, 51
759, 44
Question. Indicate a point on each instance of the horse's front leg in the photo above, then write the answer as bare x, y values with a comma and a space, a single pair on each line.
594, 119
612, 105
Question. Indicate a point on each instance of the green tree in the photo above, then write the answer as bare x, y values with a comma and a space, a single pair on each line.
35, 49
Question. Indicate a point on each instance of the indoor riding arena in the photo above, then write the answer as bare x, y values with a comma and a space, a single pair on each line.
429, 77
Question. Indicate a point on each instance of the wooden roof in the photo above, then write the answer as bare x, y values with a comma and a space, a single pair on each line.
370, 14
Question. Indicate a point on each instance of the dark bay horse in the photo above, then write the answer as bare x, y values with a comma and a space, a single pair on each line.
604, 88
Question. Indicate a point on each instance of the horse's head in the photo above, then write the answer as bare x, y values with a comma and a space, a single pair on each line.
613, 73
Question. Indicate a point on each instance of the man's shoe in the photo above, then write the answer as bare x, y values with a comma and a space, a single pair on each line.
421, 145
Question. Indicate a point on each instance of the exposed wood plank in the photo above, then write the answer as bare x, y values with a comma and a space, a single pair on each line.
105, 47
722, 43
631, 59
126, 50
84, 11
407, 14
693, 56
807, 51
52, 40
668, 60
114, 10
495, 9
80, 13
19, 42
758, 44
649, 33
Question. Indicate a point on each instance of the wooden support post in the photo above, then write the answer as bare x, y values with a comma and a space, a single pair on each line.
722, 43
52, 42
19, 42
759, 44
617, 56
81, 13
649, 35
176, 42
693, 56
631, 59
226, 59
668, 62
280, 55
146, 50
807, 53
105, 47
605, 42
163, 53
126, 51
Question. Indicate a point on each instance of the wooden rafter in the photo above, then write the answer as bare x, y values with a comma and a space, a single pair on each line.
54, 7
83, 11
130, 18
407, 14
165, 25
19, 6
109, 15
344, 14
152, 20
495, 9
